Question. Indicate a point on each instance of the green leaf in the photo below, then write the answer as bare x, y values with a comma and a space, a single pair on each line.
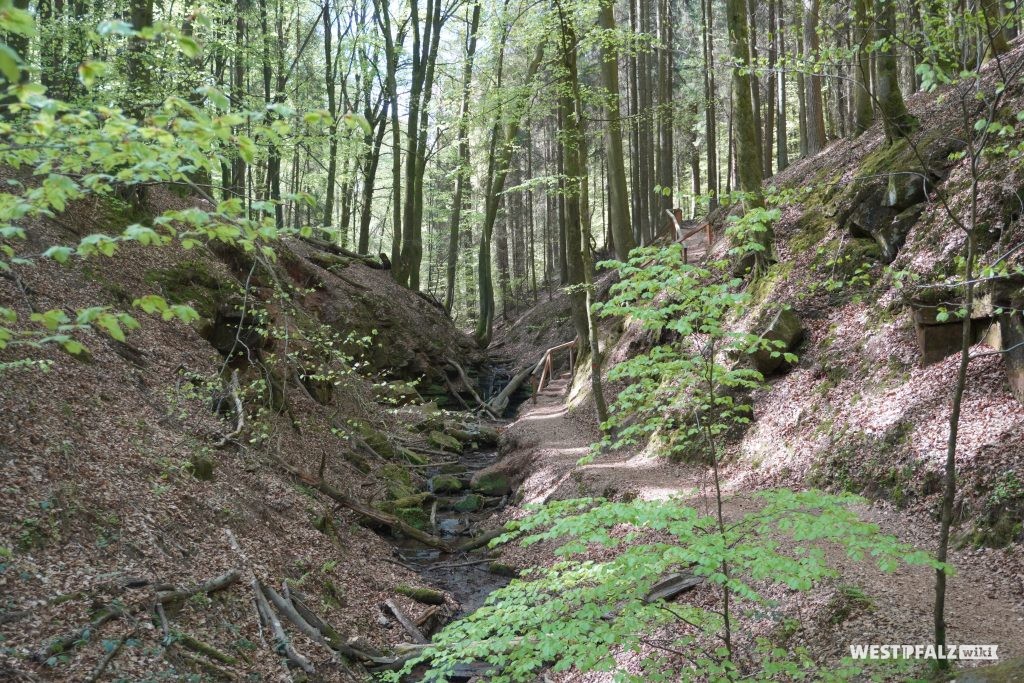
59, 254
188, 47
10, 63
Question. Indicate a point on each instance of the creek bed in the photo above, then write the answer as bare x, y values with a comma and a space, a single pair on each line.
466, 576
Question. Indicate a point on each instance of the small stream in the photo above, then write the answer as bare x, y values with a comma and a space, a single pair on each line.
470, 584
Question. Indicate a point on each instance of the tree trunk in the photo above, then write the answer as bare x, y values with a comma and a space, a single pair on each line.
781, 123
863, 108
813, 101
710, 116
748, 158
622, 231
897, 120
330, 86
501, 159
462, 177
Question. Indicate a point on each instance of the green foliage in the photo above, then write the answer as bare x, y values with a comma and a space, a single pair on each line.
581, 613
688, 386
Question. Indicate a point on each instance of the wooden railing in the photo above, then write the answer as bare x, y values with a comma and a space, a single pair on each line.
546, 366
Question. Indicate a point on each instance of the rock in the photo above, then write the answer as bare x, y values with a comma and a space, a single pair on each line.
427, 596
396, 393
444, 442
469, 503
413, 501
904, 189
445, 483
490, 483
453, 468
502, 569
486, 436
937, 340
892, 236
785, 327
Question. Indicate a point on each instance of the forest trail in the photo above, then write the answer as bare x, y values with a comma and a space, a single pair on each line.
986, 600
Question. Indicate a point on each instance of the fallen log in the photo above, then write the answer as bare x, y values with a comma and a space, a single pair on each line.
469, 385
71, 638
367, 511
498, 404
331, 248
212, 586
281, 642
479, 541
406, 623
672, 585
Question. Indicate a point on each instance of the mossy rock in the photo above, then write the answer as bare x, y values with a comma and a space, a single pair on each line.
469, 503
491, 484
453, 468
415, 517
202, 466
426, 596
483, 435
413, 501
445, 483
399, 482
396, 393
502, 569
411, 456
785, 327
191, 283
444, 442
376, 440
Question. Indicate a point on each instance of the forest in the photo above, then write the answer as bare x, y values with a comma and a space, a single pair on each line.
530, 340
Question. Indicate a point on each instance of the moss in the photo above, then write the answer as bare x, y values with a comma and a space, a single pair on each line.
812, 226
888, 158
848, 601
867, 464
762, 288
399, 481
191, 283
427, 596
334, 597
202, 466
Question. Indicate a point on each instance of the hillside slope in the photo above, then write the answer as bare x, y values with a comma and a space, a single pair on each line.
126, 470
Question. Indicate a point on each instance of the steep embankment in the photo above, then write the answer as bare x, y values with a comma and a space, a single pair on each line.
128, 471
867, 248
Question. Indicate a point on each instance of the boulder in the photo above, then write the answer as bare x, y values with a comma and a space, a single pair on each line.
445, 483
785, 326
905, 189
491, 483
469, 503
444, 442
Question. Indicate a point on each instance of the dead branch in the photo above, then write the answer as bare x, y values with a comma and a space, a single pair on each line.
107, 658
406, 623
469, 386
672, 585
479, 541
212, 586
281, 642
71, 638
366, 511
239, 410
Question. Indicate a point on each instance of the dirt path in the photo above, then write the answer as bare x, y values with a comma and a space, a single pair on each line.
985, 598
